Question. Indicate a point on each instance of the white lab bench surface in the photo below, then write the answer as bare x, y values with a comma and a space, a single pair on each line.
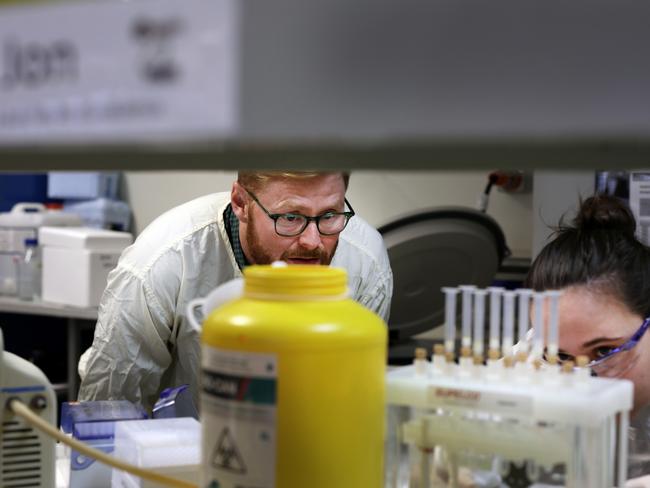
77, 318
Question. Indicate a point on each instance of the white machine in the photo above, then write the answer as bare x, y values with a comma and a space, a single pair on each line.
512, 421
27, 455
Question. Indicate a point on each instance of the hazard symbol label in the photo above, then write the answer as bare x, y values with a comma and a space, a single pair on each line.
226, 455
239, 417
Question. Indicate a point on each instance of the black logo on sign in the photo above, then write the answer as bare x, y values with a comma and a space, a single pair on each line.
226, 455
155, 38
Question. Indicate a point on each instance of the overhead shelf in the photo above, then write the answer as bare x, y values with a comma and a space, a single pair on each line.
445, 154
227, 84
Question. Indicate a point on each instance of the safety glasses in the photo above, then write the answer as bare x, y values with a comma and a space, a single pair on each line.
617, 361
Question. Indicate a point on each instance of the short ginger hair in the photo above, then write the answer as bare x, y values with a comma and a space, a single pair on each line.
254, 180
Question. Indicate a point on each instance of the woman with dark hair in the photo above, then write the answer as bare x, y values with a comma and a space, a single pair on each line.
604, 273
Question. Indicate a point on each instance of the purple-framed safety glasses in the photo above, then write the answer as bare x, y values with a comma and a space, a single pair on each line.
619, 359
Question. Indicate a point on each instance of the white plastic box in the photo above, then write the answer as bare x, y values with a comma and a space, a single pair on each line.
76, 263
166, 446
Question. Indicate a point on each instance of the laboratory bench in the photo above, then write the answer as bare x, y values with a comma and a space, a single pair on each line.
17, 319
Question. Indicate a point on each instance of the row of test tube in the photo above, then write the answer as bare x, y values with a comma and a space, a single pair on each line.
502, 312
510, 369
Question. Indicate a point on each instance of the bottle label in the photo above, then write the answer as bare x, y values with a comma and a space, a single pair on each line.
238, 413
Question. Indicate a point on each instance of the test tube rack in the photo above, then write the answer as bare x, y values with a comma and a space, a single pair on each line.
457, 420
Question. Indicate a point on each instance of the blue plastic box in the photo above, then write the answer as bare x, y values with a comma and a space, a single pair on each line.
94, 423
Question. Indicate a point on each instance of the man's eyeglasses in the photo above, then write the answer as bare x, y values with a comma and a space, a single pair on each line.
618, 360
293, 224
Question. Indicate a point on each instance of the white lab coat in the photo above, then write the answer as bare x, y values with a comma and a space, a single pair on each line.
143, 341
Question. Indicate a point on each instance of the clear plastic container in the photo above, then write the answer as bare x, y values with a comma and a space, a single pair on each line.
22, 223
29, 271
504, 427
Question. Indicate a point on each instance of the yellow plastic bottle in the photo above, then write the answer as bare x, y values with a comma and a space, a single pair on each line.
292, 384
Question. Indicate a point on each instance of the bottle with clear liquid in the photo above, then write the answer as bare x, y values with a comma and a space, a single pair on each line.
29, 271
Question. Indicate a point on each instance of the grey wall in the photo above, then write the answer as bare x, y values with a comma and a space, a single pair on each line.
556, 194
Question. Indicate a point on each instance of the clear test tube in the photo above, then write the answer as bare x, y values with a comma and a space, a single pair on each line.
495, 317
523, 319
479, 323
538, 325
450, 319
553, 324
508, 323
466, 331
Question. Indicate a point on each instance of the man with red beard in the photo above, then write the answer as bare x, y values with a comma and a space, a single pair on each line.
143, 341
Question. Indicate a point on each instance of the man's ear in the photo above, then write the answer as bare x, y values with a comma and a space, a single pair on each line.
239, 201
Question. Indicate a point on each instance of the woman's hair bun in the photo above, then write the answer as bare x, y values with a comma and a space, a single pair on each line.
605, 212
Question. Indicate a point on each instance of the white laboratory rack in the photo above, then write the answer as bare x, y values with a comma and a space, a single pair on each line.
504, 423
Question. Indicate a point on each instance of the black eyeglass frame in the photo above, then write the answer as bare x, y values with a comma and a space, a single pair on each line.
308, 219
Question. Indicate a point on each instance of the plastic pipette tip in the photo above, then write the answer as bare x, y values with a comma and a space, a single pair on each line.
438, 359
537, 364
420, 362
567, 367
465, 352
522, 357
508, 361
478, 359
583, 371
552, 359
450, 357
493, 354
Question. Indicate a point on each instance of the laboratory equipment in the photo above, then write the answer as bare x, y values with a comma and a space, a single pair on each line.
467, 294
94, 424
170, 447
495, 316
508, 323
478, 344
495, 425
450, 319
537, 347
29, 271
428, 249
22, 223
292, 383
523, 296
552, 348
76, 263
27, 455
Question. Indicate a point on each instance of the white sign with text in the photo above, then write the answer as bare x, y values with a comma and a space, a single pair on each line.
108, 71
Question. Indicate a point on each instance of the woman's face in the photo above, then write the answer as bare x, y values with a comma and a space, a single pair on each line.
593, 324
